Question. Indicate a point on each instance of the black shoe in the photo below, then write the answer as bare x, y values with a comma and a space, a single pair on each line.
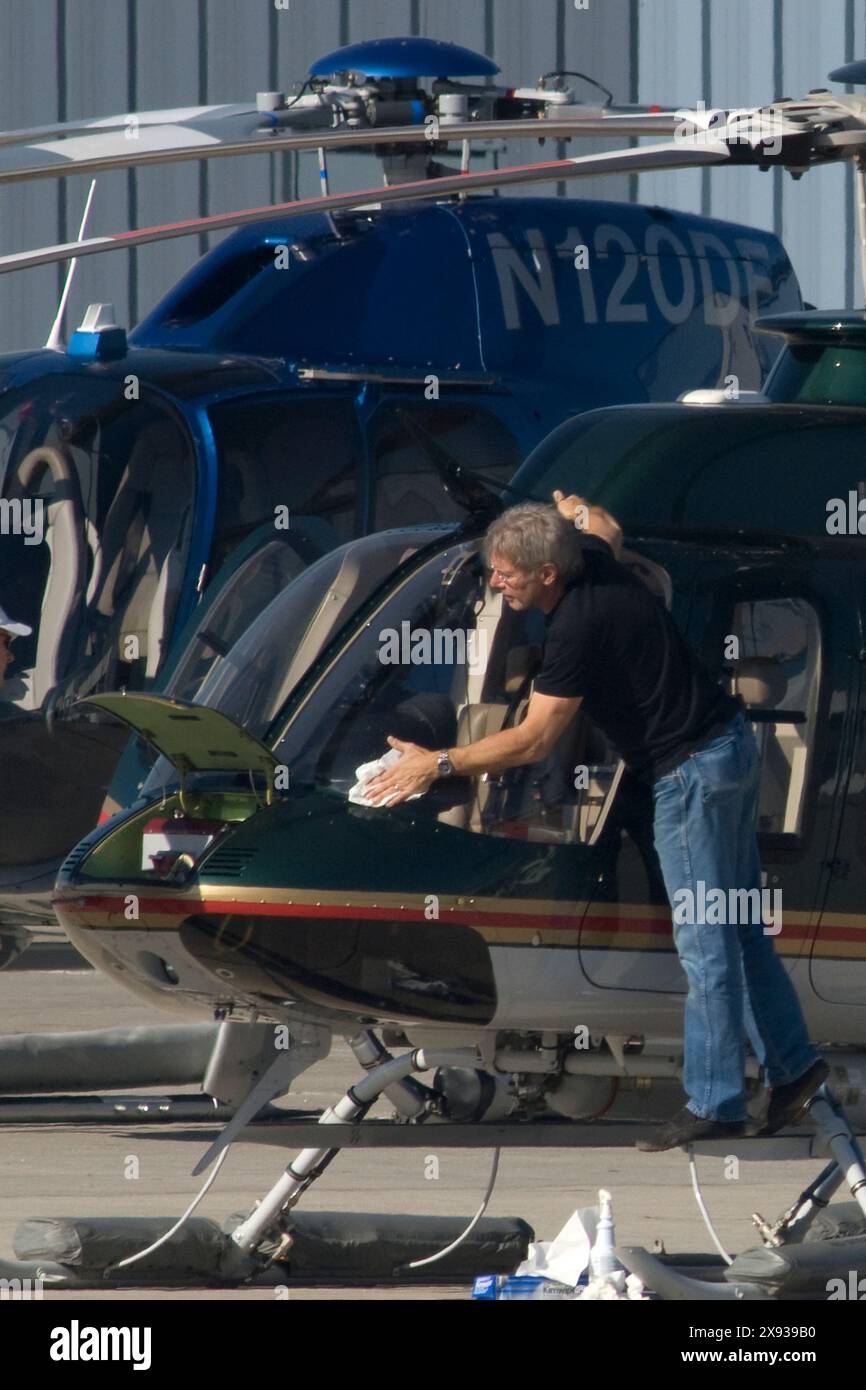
788, 1102
686, 1128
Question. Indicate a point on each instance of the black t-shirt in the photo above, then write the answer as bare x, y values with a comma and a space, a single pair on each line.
611, 641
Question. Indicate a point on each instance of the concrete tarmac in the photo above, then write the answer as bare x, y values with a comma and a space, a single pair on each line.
122, 1170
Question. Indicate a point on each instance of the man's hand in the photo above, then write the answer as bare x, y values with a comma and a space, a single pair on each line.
594, 520
416, 771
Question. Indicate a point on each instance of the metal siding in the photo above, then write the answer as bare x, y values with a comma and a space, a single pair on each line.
28, 302
597, 42
237, 68
455, 21
670, 75
379, 19
741, 73
98, 86
813, 209
167, 40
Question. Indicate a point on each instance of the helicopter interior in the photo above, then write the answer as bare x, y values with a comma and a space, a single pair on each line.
116, 484
467, 674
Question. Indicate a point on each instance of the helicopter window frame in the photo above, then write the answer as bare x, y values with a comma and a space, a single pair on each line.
275, 563
786, 665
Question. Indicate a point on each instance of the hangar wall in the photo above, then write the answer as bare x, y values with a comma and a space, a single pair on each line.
70, 59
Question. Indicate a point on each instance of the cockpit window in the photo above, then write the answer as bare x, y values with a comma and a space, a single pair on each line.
405, 440
775, 668
276, 452
111, 474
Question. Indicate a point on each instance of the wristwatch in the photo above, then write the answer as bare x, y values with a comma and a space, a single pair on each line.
444, 765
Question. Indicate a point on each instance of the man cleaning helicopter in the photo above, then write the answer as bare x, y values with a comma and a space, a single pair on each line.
612, 648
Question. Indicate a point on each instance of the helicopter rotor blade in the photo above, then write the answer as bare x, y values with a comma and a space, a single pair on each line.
134, 146
107, 125
676, 155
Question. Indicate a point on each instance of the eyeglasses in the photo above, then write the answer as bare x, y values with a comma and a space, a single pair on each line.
506, 575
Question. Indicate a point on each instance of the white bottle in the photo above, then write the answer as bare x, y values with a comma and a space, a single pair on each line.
602, 1260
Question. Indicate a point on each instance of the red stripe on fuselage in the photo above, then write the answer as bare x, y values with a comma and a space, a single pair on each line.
597, 922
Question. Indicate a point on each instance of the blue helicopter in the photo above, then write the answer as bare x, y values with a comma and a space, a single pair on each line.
333, 368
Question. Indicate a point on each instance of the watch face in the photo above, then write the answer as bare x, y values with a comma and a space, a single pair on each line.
445, 765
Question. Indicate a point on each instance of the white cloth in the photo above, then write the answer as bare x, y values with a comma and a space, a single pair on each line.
367, 771
566, 1256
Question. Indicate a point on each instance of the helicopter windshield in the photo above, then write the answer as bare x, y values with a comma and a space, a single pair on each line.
97, 493
255, 677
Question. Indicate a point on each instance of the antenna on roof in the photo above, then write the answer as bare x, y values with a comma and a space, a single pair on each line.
55, 337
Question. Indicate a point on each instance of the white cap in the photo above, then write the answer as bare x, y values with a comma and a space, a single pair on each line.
14, 629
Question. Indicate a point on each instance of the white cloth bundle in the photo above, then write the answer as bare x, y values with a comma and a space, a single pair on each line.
367, 771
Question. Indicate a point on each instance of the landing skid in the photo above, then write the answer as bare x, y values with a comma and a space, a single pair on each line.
786, 1265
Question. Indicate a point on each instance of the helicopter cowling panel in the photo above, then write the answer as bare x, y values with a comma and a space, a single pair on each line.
193, 737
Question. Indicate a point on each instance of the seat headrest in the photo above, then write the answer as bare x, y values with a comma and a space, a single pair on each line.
760, 681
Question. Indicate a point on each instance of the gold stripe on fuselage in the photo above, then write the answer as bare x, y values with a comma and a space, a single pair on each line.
500, 921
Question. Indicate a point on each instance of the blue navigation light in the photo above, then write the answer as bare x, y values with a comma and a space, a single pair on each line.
405, 57
98, 337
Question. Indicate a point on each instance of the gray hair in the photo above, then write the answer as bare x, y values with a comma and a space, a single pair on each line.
535, 534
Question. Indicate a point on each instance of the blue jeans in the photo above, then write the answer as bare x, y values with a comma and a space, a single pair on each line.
704, 826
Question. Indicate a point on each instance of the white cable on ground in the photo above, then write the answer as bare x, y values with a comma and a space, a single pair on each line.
704, 1213
430, 1259
133, 1259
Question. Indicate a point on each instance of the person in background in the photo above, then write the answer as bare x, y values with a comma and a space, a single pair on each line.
9, 630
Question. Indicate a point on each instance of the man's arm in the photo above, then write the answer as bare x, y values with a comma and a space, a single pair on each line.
530, 742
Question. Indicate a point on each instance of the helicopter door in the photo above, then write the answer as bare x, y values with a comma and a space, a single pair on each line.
625, 934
